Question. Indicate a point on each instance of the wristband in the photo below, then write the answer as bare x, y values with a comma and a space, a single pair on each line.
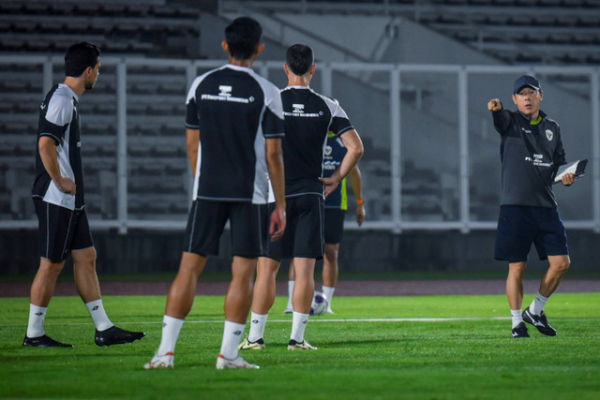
360, 202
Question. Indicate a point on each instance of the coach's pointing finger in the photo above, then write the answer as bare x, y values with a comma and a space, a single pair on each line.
494, 105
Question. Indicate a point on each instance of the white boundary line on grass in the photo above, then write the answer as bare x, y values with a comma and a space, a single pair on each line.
415, 319
312, 319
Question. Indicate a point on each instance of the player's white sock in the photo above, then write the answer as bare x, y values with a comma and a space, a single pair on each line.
290, 306
328, 292
517, 317
257, 326
299, 322
170, 332
35, 327
101, 320
537, 305
232, 335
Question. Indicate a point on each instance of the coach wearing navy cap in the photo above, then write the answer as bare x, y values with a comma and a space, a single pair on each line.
526, 81
531, 152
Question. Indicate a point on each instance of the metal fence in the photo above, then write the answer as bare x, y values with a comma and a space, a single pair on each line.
431, 160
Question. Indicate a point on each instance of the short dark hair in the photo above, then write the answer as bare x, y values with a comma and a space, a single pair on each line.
300, 58
242, 37
80, 56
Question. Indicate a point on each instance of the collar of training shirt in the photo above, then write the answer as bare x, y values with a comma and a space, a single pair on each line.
542, 115
239, 67
70, 90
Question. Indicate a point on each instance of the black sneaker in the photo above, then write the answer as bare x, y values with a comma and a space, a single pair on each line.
115, 335
520, 331
539, 321
43, 341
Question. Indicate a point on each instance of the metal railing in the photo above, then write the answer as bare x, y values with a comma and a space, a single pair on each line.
398, 78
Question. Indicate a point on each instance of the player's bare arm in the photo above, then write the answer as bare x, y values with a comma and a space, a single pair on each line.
192, 139
49, 156
355, 179
355, 150
276, 174
494, 105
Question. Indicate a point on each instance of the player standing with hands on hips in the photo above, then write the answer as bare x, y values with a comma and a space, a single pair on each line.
309, 116
60, 206
531, 152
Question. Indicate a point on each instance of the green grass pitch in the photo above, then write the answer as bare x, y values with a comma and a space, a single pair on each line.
369, 349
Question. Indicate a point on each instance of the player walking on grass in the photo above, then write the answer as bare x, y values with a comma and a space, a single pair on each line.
234, 129
58, 196
336, 205
531, 152
308, 118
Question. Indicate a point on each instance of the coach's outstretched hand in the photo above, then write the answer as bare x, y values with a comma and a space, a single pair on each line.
494, 105
277, 225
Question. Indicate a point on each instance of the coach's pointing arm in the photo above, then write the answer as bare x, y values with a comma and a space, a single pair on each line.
501, 116
49, 156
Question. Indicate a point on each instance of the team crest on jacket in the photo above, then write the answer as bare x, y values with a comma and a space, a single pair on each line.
549, 134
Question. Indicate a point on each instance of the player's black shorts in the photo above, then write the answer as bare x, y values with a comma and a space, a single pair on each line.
303, 236
334, 225
61, 230
249, 225
520, 226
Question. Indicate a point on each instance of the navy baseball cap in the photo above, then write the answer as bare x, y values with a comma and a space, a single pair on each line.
526, 80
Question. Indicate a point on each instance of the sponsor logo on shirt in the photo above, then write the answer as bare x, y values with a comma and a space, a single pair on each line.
225, 90
538, 161
298, 111
330, 165
225, 95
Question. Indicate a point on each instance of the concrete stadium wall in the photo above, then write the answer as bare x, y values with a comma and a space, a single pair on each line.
361, 251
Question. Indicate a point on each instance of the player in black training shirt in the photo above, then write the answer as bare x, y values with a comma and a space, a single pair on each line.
234, 127
531, 153
308, 118
60, 206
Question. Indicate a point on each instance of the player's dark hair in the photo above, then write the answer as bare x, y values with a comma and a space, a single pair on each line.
300, 58
80, 56
242, 37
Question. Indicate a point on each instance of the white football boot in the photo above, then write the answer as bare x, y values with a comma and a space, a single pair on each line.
159, 362
237, 362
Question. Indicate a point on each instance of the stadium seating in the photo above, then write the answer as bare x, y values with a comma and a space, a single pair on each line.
155, 107
132, 27
546, 31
